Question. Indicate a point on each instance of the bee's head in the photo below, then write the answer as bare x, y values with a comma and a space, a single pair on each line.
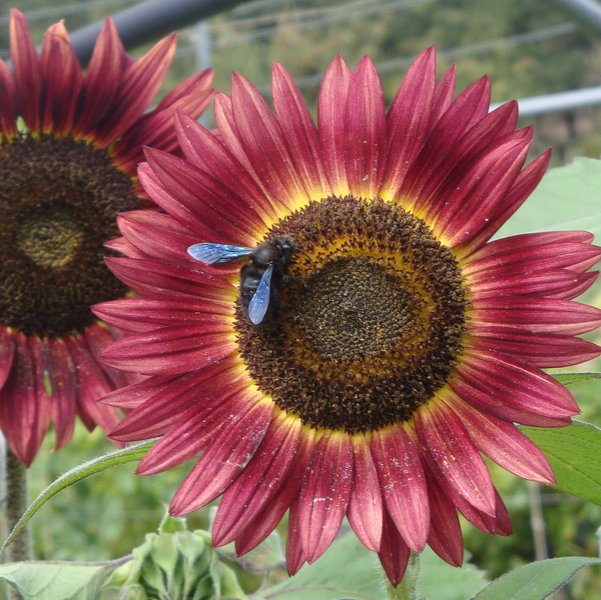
286, 246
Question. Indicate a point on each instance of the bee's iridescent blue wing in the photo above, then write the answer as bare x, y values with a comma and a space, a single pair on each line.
257, 308
209, 253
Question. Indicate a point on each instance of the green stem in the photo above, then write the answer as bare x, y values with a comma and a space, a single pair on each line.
16, 504
407, 589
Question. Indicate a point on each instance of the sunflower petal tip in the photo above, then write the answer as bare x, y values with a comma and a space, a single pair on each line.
15, 13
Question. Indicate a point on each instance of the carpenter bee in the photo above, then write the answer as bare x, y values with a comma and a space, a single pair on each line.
260, 278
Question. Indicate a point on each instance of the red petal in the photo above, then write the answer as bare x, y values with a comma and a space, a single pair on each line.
464, 213
365, 504
539, 350
194, 86
394, 553
187, 394
135, 394
578, 286
560, 283
171, 350
141, 81
20, 409
193, 430
26, 68
409, 119
93, 383
452, 456
325, 493
448, 144
157, 128
41, 365
103, 79
64, 391
331, 106
537, 315
158, 279
532, 252
497, 524
512, 391
444, 93
204, 198
63, 79
156, 234
295, 556
230, 139
445, 531
300, 132
454, 163
7, 354
206, 151
8, 100
98, 336
504, 443
223, 461
260, 482
263, 142
263, 524
365, 141
167, 200
138, 315
403, 484
121, 246
523, 186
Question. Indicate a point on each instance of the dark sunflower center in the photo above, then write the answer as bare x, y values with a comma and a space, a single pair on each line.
353, 308
371, 323
49, 235
58, 203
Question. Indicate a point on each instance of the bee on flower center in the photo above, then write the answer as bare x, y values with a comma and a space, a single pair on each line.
260, 278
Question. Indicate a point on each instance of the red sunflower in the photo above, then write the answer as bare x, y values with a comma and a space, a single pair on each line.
69, 146
397, 344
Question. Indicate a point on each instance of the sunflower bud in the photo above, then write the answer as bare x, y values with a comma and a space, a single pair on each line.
173, 565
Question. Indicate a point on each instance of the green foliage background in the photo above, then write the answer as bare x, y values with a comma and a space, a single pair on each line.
106, 516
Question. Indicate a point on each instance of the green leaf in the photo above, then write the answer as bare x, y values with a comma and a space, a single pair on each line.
570, 378
439, 580
574, 453
96, 465
566, 198
346, 570
536, 580
37, 580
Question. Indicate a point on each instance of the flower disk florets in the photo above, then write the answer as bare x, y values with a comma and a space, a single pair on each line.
58, 201
370, 323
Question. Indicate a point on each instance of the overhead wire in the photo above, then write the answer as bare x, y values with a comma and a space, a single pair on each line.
65, 10
518, 39
291, 15
338, 14
324, 18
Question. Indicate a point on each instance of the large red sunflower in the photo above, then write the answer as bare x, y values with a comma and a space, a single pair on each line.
398, 347
69, 146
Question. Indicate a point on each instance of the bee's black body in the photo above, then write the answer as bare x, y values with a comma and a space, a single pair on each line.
276, 252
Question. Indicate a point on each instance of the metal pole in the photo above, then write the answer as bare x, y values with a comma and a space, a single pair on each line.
149, 20
588, 10
558, 102
203, 47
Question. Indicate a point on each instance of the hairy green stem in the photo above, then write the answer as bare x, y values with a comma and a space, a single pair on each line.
16, 504
407, 588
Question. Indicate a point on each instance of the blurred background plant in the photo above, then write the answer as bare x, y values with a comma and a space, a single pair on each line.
528, 47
